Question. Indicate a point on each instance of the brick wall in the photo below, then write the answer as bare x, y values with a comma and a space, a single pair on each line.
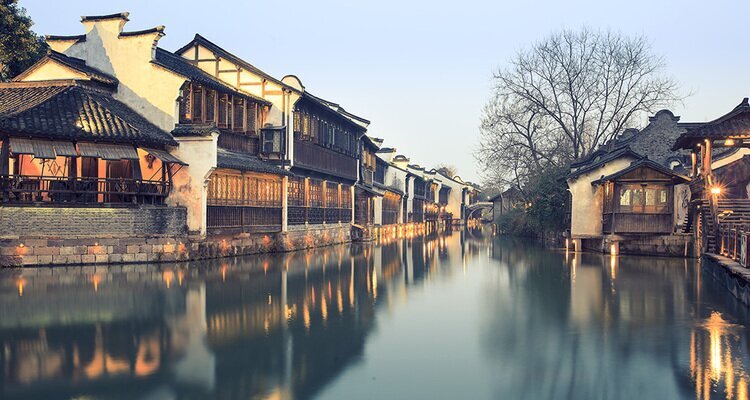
62, 222
108, 249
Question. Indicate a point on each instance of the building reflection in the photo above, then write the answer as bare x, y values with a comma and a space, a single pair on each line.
253, 327
615, 321
287, 326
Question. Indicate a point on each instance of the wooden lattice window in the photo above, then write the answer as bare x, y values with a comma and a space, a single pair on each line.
186, 104
210, 105
223, 110
244, 190
238, 115
332, 195
346, 196
315, 188
307, 126
251, 117
297, 123
197, 103
296, 192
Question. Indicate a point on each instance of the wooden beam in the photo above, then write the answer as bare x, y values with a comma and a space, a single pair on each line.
224, 71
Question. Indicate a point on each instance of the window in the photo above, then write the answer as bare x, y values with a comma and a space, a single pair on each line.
197, 103
238, 115
625, 197
251, 117
223, 111
644, 198
186, 108
210, 105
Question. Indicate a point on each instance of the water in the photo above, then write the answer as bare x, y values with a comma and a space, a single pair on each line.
455, 317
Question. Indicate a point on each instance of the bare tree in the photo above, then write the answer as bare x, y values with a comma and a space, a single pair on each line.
566, 95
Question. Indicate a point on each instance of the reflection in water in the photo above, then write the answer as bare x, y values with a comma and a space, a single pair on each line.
458, 315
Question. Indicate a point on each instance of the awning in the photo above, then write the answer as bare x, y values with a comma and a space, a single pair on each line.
165, 156
37, 148
107, 151
65, 149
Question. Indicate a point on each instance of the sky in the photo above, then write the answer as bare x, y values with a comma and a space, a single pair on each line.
421, 70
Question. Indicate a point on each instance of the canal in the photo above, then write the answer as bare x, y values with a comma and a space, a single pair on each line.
460, 316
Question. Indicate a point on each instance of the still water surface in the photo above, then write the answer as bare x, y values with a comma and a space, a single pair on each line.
455, 317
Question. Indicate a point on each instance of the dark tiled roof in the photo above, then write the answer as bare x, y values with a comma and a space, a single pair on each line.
335, 107
73, 110
603, 159
245, 162
159, 29
73, 63
184, 68
78, 38
182, 130
643, 162
122, 15
735, 123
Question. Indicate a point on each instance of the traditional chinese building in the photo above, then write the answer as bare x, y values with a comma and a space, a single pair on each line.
186, 154
631, 194
719, 213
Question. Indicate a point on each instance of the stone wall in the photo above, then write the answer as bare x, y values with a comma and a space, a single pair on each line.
675, 245
83, 222
29, 251
729, 274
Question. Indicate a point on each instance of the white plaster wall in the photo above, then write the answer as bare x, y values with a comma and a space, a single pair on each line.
397, 178
145, 87
152, 91
190, 182
454, 198
586, 200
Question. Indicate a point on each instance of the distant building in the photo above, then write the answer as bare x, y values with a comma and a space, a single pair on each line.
506, 201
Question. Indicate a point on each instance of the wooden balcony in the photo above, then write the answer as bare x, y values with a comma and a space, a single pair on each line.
313, 157
238, 142
238, 219
21, 189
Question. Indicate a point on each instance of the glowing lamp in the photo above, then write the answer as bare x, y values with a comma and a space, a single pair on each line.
715, 190
729, 142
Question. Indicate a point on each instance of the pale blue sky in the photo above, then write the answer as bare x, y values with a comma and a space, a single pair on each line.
420, 71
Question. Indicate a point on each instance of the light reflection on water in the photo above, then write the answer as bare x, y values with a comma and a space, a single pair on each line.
455, 316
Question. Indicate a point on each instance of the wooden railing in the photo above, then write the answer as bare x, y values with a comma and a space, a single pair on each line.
237, 219
311, 156
637, 223
20, 189
299, 215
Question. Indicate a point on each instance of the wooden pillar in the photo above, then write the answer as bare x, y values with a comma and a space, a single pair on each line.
5, 157
324, 199
284, 203
351, 196
307, 199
